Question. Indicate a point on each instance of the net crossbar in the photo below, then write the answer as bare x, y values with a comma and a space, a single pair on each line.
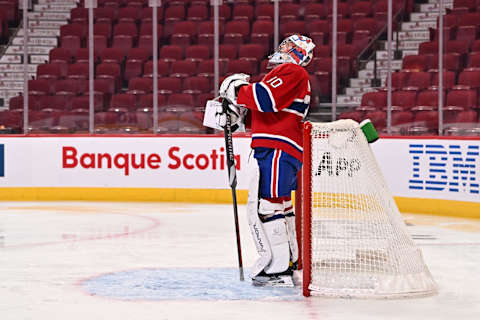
355, 240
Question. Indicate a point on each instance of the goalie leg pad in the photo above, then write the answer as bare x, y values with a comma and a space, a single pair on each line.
274, 224
256, 226
269, 235
291, 229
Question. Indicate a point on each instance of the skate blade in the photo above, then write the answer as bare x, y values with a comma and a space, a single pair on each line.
279, 282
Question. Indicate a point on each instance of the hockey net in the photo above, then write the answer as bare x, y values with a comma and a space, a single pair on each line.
355, 242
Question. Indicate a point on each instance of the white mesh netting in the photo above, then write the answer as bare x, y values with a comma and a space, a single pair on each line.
360, 244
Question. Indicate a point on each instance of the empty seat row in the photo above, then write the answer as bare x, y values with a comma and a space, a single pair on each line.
57, 121
458, 99
240, 11
118, 102
171, 53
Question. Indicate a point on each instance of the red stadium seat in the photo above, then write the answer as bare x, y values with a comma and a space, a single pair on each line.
197, 52
418, 81
475, 46
227, 52
237, 29
376, 100
183, 68
416, 63
104, 15
123, 102
463, 99
470, 5
467, 33
60, 54
163, 68
180, 102
171, 53
146, 101
474, 60
401, 118
129, 14
40, 87
263, 27
241, 66
315, 11
51, 71
78, 71
255, 51
205, 69
113, 55
399, 79
451, 61
196, 85
264, 12
457, 46
146, 15
82, 103
79, 15
404, 100
293, 27
169, 85
224, 12
243, 12
290, 11
427, 118
470, 78
379, 119
197, 12
448, 79
174, 13
345, 30
110, 71
468, 116
75, 87
428, 48
361, 9
428, 98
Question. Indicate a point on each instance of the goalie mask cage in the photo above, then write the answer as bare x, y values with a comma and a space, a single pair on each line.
355, 242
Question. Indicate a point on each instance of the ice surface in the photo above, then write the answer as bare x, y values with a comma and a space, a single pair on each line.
86, 260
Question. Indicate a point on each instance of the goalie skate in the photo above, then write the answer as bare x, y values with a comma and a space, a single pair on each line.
279, 281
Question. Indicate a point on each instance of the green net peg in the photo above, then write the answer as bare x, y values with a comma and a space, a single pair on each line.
369, 130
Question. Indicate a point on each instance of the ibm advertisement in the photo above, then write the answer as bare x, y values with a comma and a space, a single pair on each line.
415, 168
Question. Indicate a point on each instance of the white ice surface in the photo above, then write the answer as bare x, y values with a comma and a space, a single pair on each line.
53, 254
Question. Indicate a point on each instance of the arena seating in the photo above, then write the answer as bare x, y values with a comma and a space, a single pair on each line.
415, 87
123, 56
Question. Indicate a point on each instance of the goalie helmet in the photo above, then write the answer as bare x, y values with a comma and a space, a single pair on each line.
295, 49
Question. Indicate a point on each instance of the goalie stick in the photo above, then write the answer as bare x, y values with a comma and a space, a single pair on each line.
232, 178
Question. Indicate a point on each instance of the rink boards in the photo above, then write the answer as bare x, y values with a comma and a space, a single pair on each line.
424, 174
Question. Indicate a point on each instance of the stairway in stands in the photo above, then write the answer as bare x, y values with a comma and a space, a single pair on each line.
44, 21
411, 35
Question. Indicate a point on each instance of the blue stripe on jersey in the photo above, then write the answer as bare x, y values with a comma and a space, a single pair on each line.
260, 137
264, 102
298, 106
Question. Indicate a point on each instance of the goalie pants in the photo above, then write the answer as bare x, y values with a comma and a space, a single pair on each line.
278, 172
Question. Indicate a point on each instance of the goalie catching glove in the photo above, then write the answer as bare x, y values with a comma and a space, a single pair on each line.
230, 86
229, 91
